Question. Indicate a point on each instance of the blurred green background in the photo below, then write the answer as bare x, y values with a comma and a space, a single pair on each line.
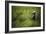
22, 16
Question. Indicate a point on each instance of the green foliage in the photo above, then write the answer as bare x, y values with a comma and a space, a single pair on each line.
23, 16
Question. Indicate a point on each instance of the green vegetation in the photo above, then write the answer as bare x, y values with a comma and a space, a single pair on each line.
22, 16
